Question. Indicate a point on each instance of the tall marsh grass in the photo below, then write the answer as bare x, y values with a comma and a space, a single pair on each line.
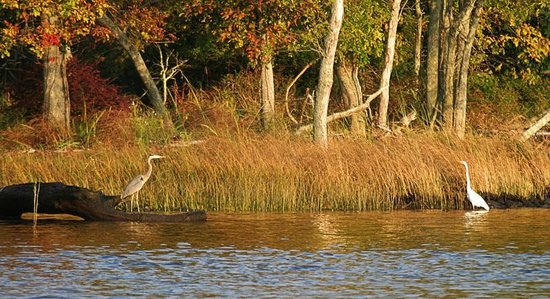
420, 171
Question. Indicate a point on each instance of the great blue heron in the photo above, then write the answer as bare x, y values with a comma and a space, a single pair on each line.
132, 189
475, 199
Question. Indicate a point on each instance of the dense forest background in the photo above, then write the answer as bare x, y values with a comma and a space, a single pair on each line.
81, 73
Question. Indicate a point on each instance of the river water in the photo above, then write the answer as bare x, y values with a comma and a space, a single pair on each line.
502, 253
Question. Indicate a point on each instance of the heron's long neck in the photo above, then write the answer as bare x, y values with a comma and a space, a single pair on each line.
467, 177
150, 170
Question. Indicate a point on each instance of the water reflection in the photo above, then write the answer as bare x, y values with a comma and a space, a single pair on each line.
475, 219
330, 235
427, 254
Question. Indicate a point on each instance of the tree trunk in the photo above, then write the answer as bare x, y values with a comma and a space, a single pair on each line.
57, 105
462, 88
536, 127
152, 91
449, 65
268, 95
58, 198
388, 65
418, 41
432, 59
352, 96
444, 25
326, 73
453, 61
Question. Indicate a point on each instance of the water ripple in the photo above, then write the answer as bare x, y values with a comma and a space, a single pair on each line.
357, 256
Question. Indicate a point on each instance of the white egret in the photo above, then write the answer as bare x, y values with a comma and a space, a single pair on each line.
475, 199
137, 183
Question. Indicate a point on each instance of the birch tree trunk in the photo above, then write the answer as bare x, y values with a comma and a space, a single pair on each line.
388, 61
352, 95
268, 95
462, 88
152, 90
56, 109
326, 73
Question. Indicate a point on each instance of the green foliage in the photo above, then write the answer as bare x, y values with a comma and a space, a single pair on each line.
363, 34
516, 39
149, 128
85, 129
512, 96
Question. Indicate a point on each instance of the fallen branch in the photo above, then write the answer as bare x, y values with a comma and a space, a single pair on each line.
184, 143
339, 115
58, 198
536, 127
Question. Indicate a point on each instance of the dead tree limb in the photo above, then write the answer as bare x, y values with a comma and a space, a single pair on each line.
536, 127
290, 86
339, 115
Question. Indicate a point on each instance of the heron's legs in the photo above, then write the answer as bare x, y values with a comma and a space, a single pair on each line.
137, 201
134, 197
131, 203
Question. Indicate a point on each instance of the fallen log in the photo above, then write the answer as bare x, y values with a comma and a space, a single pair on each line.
536, 127
58, 198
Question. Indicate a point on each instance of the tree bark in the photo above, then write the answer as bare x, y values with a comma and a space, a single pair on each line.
388, 61
268, 95
418, 40
58, 198
536, 127
152, 90
326, 73
449, 69
56, 109
444, 25
352, 95
454, 57
462, 88
432, 59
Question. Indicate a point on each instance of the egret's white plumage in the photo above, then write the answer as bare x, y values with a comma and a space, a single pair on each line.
132, 189
475, 199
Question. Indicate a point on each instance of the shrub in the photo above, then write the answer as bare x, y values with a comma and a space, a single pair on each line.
87, 88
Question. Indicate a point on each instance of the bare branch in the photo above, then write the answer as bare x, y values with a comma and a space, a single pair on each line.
536, 127
339, 115
290, 86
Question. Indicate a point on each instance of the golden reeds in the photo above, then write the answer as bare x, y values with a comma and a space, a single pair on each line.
420, 171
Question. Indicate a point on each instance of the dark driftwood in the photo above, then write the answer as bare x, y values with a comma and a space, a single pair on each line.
56, 198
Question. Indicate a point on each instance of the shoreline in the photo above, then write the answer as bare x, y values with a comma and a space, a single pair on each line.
417, 171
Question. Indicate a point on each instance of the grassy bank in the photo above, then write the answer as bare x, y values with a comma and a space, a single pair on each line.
280, 174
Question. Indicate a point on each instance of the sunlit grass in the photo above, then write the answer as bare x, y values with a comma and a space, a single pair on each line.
420, 171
